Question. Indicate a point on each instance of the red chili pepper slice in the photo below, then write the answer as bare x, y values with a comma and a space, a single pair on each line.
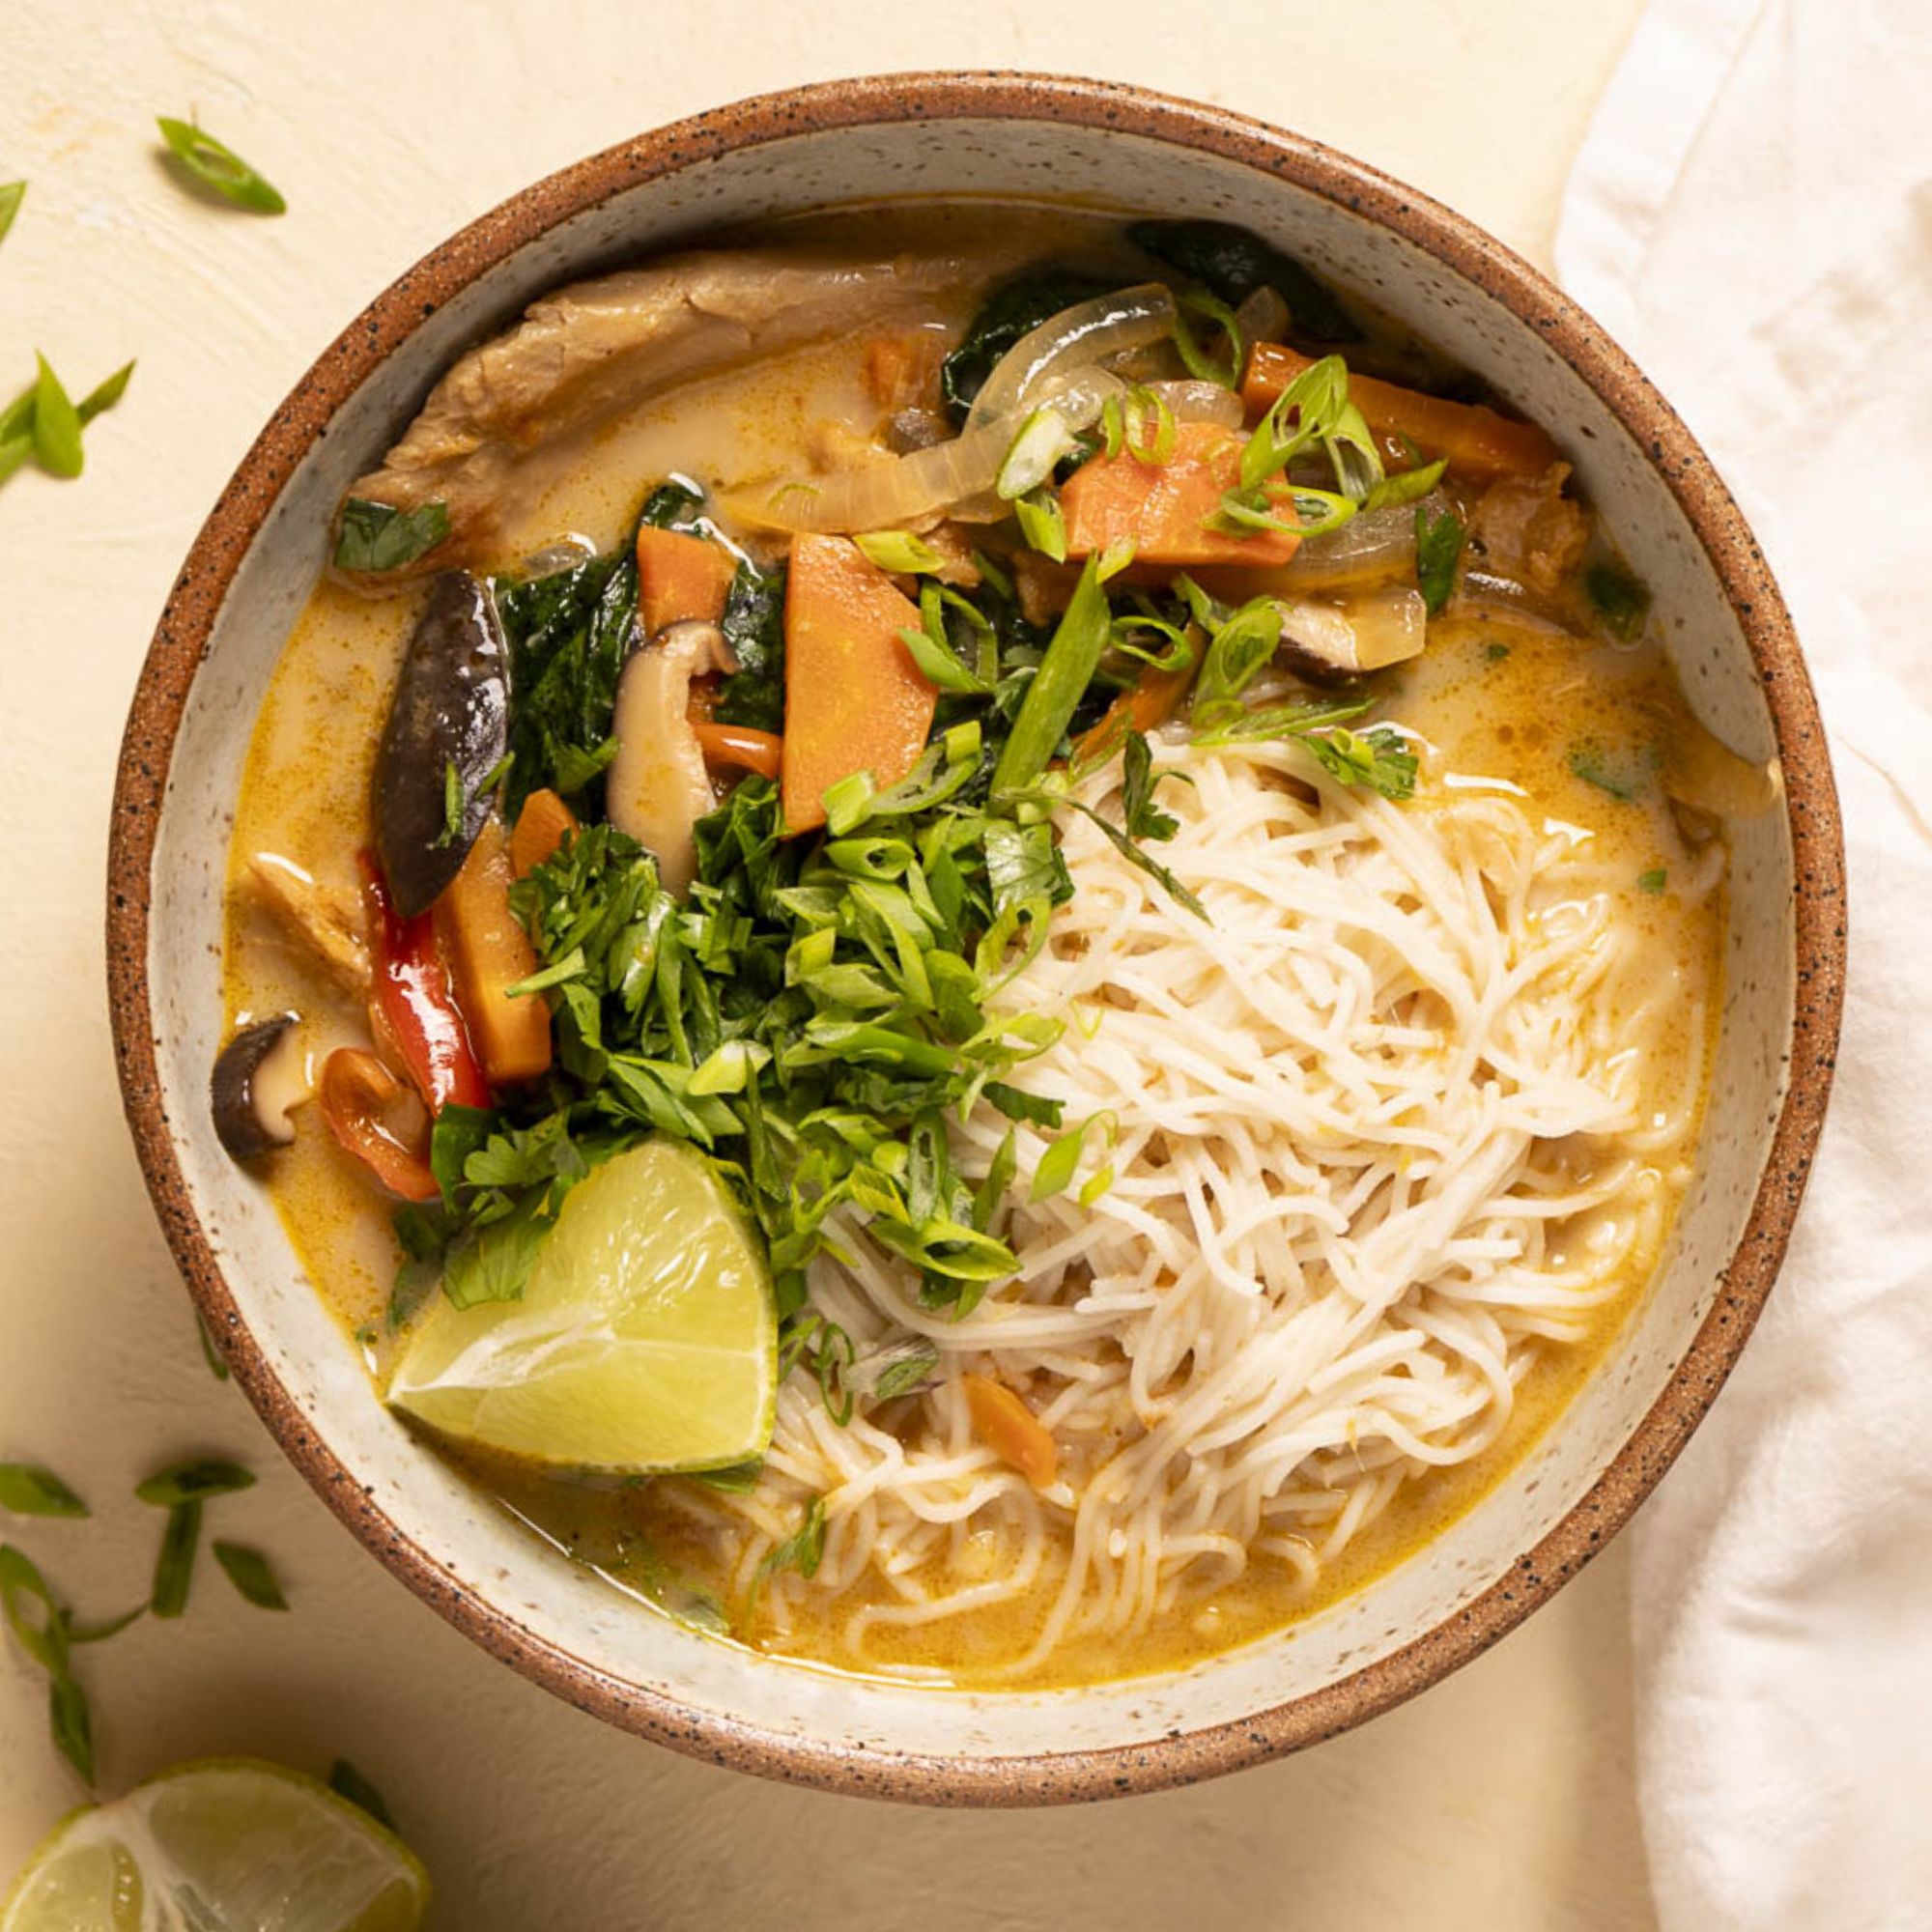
356, 1087
418, 1006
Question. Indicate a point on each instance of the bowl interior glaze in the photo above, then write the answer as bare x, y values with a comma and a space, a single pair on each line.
249, 575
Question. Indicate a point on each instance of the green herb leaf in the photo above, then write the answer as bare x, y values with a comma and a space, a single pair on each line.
1653, 881
1376, 760
1620, 600
12, 194
1239, 647
1496, 653
673, 505
739, 1479
174, 1564
901, 552
104, 394
217, 166
375, 537
1590, 762
1233, 263
252, 1575
346, 1781
56, 425
193, 1481
801, 1550
899, 1368
1438, 548
28, 1489
753, 626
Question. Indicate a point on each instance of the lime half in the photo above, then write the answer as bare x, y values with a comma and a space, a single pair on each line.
645, 1339
223, 1844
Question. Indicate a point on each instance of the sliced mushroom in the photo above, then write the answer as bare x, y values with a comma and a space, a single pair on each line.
328, 924
1350, 637
448, 726
259, 1077
658, 787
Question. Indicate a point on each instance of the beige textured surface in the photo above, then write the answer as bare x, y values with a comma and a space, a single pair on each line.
1501, 1799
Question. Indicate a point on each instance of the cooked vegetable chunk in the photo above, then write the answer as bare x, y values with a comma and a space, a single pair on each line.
487, 954
1479, 443
855, 701
680, 576
1167, 510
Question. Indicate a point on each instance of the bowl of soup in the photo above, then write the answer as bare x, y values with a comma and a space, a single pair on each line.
977, 937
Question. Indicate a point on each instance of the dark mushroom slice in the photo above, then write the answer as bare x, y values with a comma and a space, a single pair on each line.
259, 1077
447, 730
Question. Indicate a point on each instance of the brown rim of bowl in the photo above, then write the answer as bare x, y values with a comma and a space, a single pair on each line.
1182, 1757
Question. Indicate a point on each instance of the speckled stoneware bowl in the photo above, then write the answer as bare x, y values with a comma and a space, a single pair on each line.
251, 569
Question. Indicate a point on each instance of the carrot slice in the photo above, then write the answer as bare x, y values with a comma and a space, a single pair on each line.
680, 576
740, 746
855, 701
1165, 510
1479, 443
488, 952
542, 826
1153, 701
1011, 1430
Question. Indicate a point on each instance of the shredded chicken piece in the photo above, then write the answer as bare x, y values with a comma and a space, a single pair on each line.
1530, 530
323, 922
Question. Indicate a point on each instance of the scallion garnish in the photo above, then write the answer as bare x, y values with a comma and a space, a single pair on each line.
28, 1489
174, 1563
12, 194
901, 552
217, 166
252, 1575
56, 425
193, 1482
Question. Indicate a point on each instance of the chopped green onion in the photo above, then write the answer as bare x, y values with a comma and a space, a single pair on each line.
192, 1482
1061, 1162
28, 1489
217, 166
1043, 439
1058, 686
252, 1575
56, 425
174, 1565
1653, 881
1042, 524
1224, 370
730, 1069
1406, 486
12, 194
102, 397
1142, 408
846, 803
901, 552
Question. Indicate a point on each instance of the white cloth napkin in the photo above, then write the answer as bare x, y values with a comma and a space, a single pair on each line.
1751, 216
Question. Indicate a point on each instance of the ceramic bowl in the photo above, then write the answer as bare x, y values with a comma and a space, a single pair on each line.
251, 569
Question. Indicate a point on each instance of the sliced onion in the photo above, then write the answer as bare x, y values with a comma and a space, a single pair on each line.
1080, 337
1263, 316
1353, 634
896, 490
1372, 545
1200, 402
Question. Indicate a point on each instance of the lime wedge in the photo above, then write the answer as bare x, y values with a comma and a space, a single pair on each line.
223, 1844
645, 1339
